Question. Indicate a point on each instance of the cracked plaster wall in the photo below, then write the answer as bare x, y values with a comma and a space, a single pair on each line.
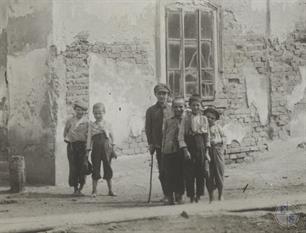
31, 123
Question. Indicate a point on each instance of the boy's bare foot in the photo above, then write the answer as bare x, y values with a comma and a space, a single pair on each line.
93, 194
112, 194
79, 193
221, 198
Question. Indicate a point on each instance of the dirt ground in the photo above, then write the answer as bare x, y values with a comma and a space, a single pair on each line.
197, 224
281, 170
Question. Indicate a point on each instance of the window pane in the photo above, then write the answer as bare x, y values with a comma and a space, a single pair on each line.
207, 90
174, 56
174, 82
174, 25
206, 25
191, 57
191, 82
207, 76
207, 59
190, 25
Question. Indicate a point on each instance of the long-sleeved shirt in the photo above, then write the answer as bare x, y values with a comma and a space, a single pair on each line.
76, 129
217, 135
155, 118
97, 128
191, 125
170, 142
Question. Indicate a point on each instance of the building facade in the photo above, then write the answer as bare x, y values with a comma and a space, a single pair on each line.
243, 56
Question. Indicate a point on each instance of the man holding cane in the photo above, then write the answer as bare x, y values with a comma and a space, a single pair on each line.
155, 118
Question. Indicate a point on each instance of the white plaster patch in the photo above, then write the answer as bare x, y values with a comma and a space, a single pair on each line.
259, 5
298, 125
3, 14
298, 91
106, 21
19, 8
124, 90
257, 91
234, 131
262, 4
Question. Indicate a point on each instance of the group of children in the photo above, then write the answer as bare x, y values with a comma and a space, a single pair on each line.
189, 147
83, 137
188, 144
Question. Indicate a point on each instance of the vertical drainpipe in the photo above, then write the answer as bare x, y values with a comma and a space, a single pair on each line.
268, 67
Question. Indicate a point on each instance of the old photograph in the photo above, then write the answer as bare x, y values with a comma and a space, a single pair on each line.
152, 116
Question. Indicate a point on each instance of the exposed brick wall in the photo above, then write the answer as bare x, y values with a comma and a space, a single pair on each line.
278, 60
77, 75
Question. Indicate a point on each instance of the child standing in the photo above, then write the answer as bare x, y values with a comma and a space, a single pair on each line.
100, 140
194, 139
75, 136
155, 117
173, 157
216, 151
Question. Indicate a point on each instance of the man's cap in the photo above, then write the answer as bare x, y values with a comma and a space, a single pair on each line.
213, 110
161, 87
80, 104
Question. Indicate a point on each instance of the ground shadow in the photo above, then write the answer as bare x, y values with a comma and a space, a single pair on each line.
122, 204
35, 195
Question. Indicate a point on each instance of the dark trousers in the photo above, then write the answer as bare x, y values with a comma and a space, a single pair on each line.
76, 152
101, 152
173, 165
194, 178
196, 169
160, 169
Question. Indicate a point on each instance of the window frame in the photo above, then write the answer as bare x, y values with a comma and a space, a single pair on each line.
215, 45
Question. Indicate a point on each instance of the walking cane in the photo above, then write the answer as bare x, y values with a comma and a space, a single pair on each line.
150, 189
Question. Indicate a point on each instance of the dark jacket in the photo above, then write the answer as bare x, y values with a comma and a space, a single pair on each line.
155, 117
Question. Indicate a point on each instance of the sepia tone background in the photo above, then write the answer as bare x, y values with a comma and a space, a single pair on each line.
56, 52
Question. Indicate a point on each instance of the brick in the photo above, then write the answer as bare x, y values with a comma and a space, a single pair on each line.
228, 161
240, 160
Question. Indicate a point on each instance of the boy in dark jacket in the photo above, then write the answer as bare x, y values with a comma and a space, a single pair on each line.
155, 117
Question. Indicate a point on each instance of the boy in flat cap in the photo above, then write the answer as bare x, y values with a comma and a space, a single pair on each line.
155, 117
194, 140
173, 156
216, 152
75, 135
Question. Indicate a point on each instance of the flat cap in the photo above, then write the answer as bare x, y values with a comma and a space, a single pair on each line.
80, 104
161, 87
213, 110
